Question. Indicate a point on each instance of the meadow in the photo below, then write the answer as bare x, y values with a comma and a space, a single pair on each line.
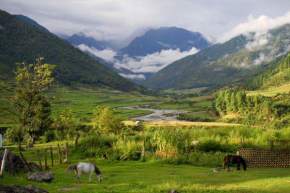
158, 177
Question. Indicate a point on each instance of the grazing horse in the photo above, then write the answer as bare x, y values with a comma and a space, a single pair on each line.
88, 168
234, 159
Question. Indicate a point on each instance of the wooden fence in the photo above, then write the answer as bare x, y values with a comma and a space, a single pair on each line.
266, 158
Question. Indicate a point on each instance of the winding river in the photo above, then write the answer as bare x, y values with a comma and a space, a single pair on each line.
157, 114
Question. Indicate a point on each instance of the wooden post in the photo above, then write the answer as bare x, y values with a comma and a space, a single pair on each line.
39, 159
45, 159
51, 156
143, 146
59, 154
3, 162
66, 152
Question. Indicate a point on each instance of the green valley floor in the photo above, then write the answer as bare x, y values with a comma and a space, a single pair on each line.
155, 177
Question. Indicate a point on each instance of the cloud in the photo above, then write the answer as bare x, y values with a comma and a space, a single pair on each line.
153, 62
148, 64
133, 76
117, 19
257, 40
106, 54
259, 24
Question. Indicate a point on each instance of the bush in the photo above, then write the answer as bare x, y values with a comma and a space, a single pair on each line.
128, 149
96, 145
49, 136
202, 117
213, 159
214, 146
13, 135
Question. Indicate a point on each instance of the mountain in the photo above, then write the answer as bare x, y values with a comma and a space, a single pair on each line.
22, 40
30, 21
80, 38
276, 75
223, 63
164, 38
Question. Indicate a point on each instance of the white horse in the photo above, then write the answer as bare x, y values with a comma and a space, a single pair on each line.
88, 168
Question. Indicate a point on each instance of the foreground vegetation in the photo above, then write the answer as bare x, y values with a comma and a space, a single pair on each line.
156, 177
154, 156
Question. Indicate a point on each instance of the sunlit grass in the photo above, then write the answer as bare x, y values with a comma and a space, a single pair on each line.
271, 91
154, 177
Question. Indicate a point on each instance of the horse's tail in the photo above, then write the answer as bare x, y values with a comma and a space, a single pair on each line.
72, 167
244, 163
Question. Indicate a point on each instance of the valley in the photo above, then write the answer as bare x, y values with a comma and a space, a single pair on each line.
164, 110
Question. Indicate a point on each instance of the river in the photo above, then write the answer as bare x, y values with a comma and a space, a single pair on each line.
157, 114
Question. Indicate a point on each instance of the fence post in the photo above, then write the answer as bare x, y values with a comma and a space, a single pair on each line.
66, 152
3, 162
39, 158
59, 154
45, 159
51, 156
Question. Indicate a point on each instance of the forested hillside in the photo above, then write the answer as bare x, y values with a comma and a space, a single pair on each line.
277, 74
23, 40
235, 60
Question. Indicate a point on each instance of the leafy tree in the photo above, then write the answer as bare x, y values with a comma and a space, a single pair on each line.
241, 100
106, 121
64, 124
30, 102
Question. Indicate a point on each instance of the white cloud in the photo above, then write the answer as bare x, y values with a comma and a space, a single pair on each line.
153, 62
117, 19
106, 54
133, 76
148, 64
260, 59
259, 24
257, 40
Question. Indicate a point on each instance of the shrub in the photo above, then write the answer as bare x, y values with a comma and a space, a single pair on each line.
96, 145
128, 149
213, 159
203, 117
49, 136
215, 146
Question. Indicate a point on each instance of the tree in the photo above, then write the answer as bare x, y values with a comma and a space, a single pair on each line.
30, 102
64, 123
220, 104
68, 127
241, 100
106, 121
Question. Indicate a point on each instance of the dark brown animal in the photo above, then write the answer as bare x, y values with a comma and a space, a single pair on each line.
234, 159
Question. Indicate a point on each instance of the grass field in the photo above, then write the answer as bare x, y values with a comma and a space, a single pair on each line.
82, 102
154, 177
271, 91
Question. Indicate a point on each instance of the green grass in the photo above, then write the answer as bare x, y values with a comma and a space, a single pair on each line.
147, 177
271, 91
82, 102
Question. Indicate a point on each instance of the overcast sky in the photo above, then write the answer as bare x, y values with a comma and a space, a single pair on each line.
119, 19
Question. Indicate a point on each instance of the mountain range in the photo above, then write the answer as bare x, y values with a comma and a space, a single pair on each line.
146, 51
238, 59
164, 38
234, 60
